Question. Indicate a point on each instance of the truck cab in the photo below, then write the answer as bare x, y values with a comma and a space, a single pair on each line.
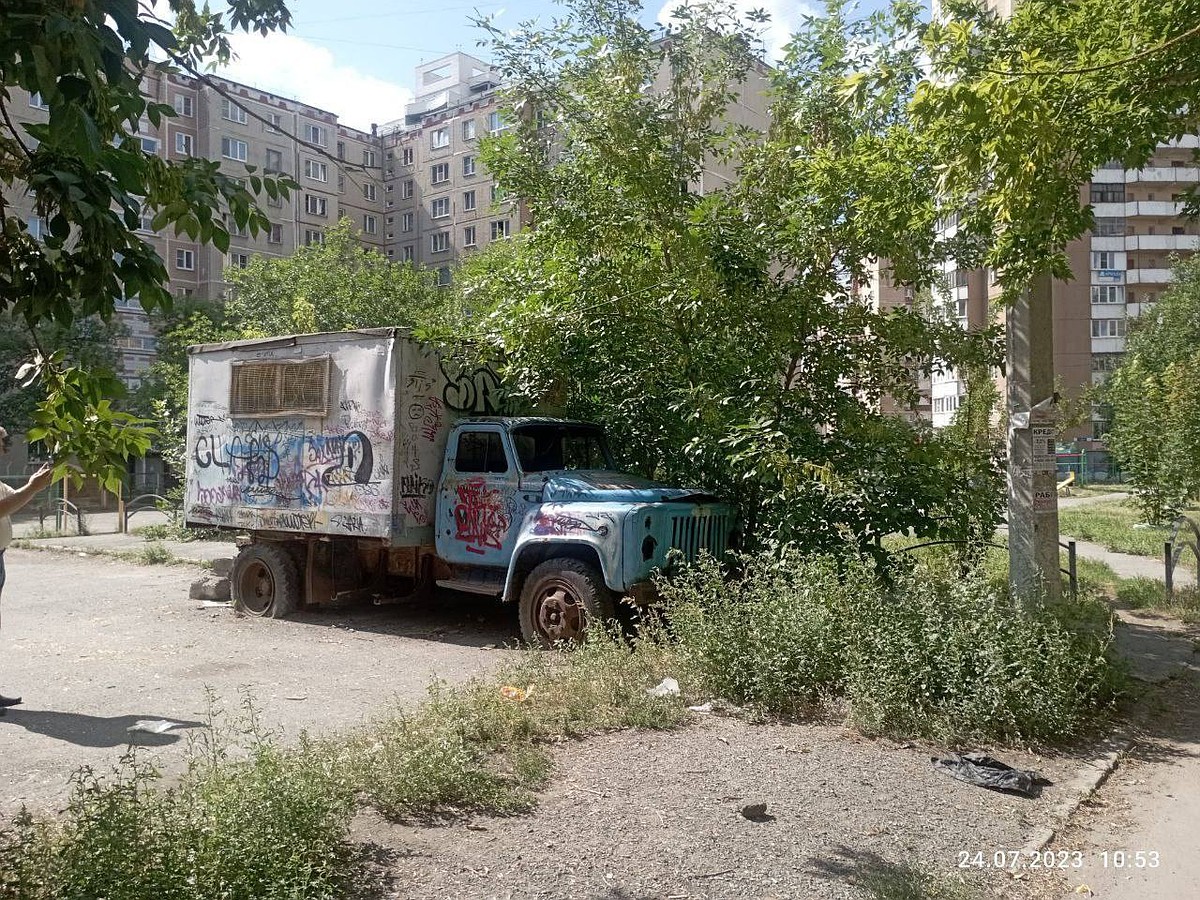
533, 510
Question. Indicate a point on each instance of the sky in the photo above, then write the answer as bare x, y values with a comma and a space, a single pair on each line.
356, 57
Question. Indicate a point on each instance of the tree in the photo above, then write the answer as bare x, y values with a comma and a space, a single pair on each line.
334, 286
1154, 399
721, 337
1018, 113
92, 182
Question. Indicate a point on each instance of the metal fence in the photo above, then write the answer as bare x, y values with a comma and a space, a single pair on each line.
1089, 466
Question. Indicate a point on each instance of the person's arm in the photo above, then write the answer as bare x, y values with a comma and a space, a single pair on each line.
38, 481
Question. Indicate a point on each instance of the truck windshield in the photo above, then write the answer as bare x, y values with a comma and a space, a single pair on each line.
544, 447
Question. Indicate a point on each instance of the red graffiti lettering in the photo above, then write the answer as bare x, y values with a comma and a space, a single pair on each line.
480, 517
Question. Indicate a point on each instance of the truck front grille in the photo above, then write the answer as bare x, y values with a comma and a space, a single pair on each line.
704, 531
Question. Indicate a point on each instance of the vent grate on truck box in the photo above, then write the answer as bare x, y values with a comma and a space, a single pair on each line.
274, 388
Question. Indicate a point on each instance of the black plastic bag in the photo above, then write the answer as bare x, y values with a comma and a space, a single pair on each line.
980, 769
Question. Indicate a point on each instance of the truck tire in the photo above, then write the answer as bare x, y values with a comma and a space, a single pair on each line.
558, 600
265, 581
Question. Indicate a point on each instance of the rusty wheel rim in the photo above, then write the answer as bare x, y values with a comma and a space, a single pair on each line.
257, 588
559, 615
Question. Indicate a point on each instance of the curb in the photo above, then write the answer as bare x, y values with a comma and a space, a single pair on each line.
1080, 790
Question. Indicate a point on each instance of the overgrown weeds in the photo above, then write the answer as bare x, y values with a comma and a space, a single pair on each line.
271, 824
927, 652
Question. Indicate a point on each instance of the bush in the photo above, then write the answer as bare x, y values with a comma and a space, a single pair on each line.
933, 655
271, 826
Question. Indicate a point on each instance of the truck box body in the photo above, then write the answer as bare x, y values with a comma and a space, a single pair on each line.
329, 434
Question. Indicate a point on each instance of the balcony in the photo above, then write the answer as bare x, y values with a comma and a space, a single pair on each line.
1148, 276
1164, 175
1173, 242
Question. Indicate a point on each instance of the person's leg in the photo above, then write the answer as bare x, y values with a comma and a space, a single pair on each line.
5, 701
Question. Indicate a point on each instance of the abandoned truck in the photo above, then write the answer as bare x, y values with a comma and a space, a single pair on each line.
364, 463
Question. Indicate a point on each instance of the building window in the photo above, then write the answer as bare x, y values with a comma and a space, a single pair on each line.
408, 253
468, 200
1104, 259
369, 158
1106, 362
232, 148
369, 192
440, 208
500, 229
469, 236
317, 171
36, 101
469, 130
496, 123
185, 260
316, 206
1108, 193
406, 222
275, 120
341, 184
1108, 293
149, 146
1108, 328
440, 242
231, 112
183, 106
468, 165
406, 156
275, 235
370, 225
239, 260
183, 144
440, 173
341, 149
444, 279
1110, 226
406, 189
146, 222
274, 161
315, 134
36, 226
439, 138
313, 236
389, 188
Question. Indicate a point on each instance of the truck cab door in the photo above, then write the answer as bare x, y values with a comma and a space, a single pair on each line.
478, 512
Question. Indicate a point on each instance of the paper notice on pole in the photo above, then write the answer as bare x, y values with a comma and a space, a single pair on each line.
1044, 457
1043, 500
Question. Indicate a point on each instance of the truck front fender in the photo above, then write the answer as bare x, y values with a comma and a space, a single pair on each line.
595, 539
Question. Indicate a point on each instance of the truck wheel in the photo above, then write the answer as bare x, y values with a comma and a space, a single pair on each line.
558, 600
265, 581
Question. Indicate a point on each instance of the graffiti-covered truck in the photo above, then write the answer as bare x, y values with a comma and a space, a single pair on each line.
364, 463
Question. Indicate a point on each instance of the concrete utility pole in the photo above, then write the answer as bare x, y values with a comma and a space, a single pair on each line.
1033, 560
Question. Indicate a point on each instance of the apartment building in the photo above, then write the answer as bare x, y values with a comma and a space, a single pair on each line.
338, 170
439, 202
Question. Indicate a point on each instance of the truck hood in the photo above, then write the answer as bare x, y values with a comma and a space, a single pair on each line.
604, 486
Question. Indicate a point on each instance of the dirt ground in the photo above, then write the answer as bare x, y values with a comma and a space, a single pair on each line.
94, 645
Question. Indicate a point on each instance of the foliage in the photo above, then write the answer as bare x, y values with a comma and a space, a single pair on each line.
336, 285
721, 336
272, 826
91, 182
1154, 400
89, 343
933, 654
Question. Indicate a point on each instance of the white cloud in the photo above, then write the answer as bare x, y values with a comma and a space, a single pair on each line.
301, 70
776, 33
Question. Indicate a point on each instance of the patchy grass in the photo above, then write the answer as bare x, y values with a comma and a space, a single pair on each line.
483, 746
1112, 525
175, 530
1141, 593
1098, 489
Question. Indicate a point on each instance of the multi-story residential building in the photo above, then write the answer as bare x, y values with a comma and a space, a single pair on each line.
439, 202
338, 170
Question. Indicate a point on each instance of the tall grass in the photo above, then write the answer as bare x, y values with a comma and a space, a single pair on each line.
932, 653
